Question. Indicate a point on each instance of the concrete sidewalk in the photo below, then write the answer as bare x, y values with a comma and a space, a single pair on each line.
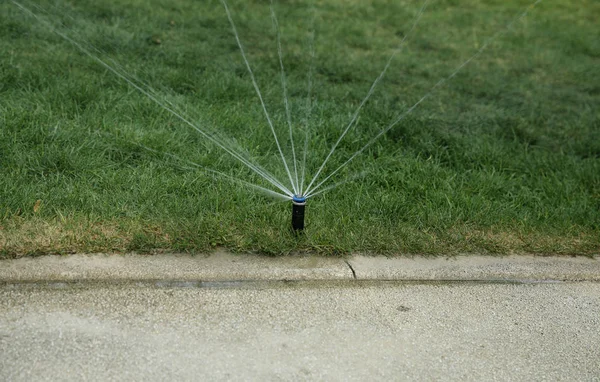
222, 266
180, 317
300, 331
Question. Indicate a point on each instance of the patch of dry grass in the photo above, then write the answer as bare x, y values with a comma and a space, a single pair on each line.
36, 236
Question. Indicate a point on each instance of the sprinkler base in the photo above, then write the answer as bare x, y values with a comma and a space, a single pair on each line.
298, 206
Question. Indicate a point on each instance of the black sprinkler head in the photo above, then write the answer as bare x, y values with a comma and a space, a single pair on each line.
298, 204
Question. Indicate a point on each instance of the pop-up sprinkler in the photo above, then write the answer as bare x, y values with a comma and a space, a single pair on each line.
298, 204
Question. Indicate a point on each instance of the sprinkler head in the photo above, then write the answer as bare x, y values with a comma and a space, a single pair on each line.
298, 204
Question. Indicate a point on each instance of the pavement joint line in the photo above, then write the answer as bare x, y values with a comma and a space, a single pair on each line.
351, 269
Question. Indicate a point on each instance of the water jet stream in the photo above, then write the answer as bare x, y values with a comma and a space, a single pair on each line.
309, 104
432, 90
369, 93
285, 95
262, 102
215, 172
100, 53
148, 93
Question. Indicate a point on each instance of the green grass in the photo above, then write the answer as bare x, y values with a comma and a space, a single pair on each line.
505, 159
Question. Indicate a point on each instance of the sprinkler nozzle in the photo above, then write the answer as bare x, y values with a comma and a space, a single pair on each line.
298, 204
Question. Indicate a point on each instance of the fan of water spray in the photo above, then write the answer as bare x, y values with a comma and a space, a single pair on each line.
295, 168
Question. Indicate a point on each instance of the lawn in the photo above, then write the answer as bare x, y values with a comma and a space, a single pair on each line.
504, 158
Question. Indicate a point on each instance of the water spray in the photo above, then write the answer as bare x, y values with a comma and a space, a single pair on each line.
299, 194
298, 205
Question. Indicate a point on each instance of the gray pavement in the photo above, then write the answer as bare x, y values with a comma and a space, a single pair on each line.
225, 317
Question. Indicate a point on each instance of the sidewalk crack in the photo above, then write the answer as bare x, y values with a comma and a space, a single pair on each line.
352, 269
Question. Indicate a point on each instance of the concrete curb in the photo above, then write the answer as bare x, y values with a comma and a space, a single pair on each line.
223, 266
219, 266
478, 268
